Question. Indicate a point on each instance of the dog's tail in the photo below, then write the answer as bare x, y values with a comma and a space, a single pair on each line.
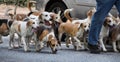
6, 12
66, 14
16, 5
29, 4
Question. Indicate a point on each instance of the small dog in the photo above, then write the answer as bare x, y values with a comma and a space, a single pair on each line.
46, 35
43, 16
5, 24
85, 23
115, 36
109, 22
24, 31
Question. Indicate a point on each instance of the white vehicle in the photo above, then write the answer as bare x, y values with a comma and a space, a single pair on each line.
80, 6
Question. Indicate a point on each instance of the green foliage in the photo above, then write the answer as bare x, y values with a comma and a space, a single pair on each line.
12, 2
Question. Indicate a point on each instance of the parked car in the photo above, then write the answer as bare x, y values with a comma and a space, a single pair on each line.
80, 6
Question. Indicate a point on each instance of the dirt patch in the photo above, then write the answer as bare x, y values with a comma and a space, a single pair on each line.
3, 8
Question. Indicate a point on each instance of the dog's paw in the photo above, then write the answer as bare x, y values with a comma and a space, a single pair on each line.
38, 50
67, 46
27, 50
116, 51
105, 50
20, 46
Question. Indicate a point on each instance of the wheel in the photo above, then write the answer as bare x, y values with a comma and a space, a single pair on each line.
56, 7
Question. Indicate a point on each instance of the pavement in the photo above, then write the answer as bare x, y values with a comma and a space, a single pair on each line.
63, 55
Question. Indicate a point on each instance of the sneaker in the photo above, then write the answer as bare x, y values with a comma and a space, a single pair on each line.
94, 49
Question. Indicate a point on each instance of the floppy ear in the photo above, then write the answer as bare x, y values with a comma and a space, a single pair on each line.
40, 16
29, 23
105, 21
52, 15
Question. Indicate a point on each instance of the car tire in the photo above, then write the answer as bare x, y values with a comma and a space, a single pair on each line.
58, 6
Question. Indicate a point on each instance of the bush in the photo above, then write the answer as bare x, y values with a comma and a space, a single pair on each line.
11, 2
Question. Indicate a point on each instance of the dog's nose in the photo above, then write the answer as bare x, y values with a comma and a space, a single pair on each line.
51, 19
37, 27
54, 52
87, 31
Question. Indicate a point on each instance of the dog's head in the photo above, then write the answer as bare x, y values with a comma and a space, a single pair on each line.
56, 17
53, 43
32, 23
45, 17
109, 22
85, 26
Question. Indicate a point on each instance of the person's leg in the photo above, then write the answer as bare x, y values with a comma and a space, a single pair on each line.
103, 7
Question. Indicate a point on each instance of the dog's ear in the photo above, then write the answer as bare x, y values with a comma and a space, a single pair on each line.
29, 23
52, 15
40, 16
82, 24
105, 21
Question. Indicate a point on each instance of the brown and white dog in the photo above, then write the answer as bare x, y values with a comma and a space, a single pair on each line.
109, 22
85, 23
71, 30
4, 28
43, 16
46, 35
115, 36
17, 17
24, 31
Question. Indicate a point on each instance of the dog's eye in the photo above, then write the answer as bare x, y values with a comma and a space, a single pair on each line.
84, 26
46, 15
56, 17
109, 21
33, 22
53, 45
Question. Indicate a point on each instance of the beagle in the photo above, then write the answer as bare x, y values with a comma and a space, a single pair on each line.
108, 23
46, 35
24, 31
5, 24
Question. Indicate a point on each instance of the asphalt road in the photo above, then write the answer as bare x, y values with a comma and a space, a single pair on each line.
64, 55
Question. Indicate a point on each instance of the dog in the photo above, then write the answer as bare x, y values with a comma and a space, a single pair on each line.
85, 22
5, 24
114, 36
43, 16
24, 31
46, 35
14, 16
109, 22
